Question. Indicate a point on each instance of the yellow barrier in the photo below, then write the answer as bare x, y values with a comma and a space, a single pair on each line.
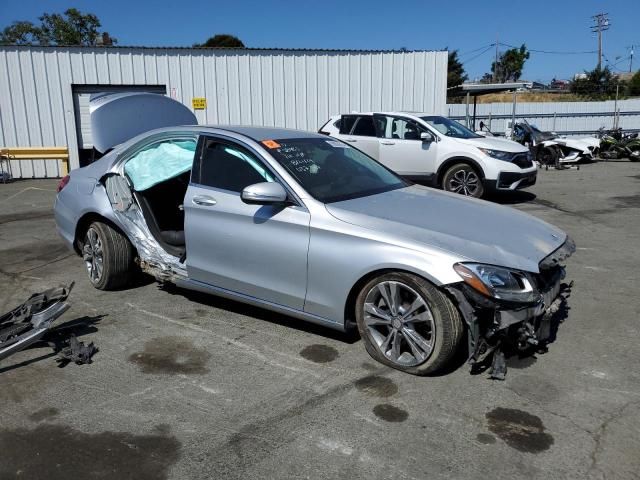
38, 153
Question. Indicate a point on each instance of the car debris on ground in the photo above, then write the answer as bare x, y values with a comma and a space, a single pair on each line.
30, 322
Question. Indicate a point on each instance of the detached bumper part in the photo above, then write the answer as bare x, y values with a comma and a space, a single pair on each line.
29, 322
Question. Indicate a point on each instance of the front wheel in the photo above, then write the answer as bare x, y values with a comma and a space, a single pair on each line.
462, 178
108, 256
408, 324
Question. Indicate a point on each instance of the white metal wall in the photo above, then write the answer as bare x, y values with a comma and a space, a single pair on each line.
285, 88
563, 117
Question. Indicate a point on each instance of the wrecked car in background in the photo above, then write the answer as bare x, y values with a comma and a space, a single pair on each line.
310, 227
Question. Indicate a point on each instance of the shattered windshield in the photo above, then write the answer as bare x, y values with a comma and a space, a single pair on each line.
330, 170
448, 127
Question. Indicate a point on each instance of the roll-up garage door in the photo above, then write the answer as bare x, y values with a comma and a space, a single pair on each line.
81, 96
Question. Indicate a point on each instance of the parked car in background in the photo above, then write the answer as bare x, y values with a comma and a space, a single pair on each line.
436, 151
310, 227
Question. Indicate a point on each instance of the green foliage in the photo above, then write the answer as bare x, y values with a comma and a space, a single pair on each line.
222, 40
510, 64
633, 87
70, 28
20, 33
455, 71
598, 84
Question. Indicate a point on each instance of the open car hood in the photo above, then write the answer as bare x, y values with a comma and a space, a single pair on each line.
118, 117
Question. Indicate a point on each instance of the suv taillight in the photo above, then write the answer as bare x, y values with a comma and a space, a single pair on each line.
63, 183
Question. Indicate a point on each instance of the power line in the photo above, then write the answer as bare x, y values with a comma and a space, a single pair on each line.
533, 50
475, 50
478, 55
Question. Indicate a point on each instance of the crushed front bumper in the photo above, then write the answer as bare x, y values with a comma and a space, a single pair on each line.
497, 326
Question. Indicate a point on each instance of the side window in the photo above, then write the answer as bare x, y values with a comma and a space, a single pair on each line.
346, 124
364, 127
230, 167
402, 128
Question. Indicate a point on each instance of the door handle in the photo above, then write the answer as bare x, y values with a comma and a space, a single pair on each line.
350, 140
388, 143
204, 200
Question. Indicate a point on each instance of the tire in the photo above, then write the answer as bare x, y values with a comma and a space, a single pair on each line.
547, 156
108, 256
464, 179
437, 322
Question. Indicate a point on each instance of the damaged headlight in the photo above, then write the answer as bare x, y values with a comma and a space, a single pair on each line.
497, 154
499, 282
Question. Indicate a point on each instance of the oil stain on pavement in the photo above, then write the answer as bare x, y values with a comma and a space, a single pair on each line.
519, 430
44, 414
486, 438
171, 355
55, 452
319, 353
389, 413
376, 386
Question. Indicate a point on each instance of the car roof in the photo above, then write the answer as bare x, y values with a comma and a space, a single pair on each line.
264, 133
380, 112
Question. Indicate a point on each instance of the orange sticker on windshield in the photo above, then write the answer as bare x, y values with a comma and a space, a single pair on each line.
270, 144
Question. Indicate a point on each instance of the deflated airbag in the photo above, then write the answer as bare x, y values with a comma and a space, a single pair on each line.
159, 163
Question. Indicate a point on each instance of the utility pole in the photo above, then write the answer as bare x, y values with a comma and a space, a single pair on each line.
495, 68
630, 57
601, 23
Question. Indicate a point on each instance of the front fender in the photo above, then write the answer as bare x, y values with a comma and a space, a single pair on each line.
337, 261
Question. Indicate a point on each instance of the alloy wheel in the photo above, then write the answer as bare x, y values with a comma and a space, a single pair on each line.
92, 255
400, 323
464, 181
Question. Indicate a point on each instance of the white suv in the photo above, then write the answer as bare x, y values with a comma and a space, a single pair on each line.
437, 150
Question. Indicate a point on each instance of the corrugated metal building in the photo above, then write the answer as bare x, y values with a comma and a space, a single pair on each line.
44, 91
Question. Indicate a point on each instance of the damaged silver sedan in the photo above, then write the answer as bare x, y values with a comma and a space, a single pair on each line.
313, 228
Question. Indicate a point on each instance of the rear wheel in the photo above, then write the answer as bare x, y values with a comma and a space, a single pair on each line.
464, 179
108, 256
408, 324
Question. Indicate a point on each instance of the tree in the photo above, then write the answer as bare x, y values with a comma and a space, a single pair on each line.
70, 28
455, 71
20, 33
510, 64
633, 87
222, 40
599, 83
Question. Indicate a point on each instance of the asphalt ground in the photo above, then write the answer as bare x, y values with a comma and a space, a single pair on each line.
192, 386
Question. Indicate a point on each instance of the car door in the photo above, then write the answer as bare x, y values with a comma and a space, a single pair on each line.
402, 149
360, 131
256, 250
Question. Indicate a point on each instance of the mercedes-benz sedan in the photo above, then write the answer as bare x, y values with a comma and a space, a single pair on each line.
313, 228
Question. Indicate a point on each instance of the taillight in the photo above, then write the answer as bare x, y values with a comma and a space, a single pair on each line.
63, 183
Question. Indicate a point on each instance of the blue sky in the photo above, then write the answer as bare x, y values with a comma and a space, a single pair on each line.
469, 26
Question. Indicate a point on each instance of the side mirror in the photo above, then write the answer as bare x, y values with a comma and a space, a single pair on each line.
264, 193
427, 137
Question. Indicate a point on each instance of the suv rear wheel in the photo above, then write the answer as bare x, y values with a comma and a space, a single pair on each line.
108, 256
464, 179
408, 324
